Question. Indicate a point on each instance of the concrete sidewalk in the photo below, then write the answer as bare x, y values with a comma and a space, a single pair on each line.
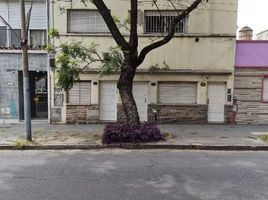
221, 137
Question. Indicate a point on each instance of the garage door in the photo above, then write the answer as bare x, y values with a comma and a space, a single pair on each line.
140, 92
108, 103
216, 97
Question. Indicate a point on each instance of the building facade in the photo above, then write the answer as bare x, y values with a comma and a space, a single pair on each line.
189, 80
262, 35
251, 82
11, 82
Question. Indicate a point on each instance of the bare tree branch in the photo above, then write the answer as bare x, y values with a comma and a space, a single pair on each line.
105, 13
29, 13
171, 33
8, 25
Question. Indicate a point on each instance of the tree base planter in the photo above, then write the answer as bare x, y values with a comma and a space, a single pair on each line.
116, 133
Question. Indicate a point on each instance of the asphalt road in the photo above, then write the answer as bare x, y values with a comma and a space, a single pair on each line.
133, 175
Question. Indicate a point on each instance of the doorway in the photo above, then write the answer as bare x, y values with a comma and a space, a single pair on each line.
38, 95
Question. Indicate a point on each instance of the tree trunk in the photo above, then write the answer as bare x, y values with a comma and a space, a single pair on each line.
125, 85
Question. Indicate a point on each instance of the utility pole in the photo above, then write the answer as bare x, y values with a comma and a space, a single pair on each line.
25, 66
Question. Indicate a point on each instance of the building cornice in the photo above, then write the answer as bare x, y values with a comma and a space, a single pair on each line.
18, 51
182, 35
172, 72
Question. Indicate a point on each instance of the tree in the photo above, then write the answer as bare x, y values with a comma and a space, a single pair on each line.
131, 59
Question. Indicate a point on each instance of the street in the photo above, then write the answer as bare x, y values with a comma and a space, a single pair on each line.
139, 175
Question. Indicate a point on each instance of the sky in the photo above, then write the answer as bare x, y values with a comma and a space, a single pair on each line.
253, 13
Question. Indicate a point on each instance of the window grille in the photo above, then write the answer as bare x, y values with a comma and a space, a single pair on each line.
161, 21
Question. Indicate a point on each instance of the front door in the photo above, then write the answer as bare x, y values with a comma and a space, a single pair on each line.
140, 92
216, 102
108, 103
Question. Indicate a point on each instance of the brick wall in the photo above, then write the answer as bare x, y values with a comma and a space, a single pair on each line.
179, 114
82, 114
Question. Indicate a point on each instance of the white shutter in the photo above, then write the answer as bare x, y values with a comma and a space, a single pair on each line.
74, 94
3, 12
39, 15
86, 21
265, 89
85, 92
14, 13
177, 93
80, 93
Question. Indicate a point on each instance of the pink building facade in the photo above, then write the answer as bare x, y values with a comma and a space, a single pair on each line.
251, 81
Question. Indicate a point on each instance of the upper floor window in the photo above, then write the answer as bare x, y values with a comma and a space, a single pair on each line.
3, 36
86, 21
14, 40
161, 21
37, 38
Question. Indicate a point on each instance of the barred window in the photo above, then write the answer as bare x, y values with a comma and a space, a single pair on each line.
86, 21
161, 21
80, 93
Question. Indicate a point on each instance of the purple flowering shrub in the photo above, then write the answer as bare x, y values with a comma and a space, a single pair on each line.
117, 133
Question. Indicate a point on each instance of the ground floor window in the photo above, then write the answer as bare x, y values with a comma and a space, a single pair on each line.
177, 93
265, 89
80, 93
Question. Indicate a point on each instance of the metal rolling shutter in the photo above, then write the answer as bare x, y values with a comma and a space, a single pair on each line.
177, 93
80, 93
85, 92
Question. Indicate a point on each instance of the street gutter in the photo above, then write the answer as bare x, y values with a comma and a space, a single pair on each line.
138, 147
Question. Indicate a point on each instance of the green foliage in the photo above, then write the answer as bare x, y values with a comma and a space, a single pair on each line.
264, 138
116, 19
69, 58
53, 33
50, 48
73, 58
112, 61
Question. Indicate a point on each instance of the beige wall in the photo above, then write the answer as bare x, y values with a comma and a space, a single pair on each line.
212, 17
215, 52
213, 23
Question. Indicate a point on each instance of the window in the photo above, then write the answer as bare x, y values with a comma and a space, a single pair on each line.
80, 93
38, 38
265, 89
177, 93
86, 21
3, 36
14, 40
161, 21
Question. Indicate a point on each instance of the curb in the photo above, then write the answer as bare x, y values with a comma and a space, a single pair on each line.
138, 147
